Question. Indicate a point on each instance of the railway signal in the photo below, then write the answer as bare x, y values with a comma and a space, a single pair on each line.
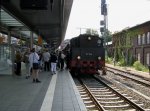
103, 29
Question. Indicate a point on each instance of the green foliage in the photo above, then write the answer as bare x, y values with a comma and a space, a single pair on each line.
121, 62
131, 60
108, 36
140, 67
137, 65
109, 60
123, 44
91, 31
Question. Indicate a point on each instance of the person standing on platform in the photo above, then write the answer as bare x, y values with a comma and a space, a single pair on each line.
59, 57
46, 58
18, 59
67, 59
26, 61
40, 61
33, 58
62, 60
53, 62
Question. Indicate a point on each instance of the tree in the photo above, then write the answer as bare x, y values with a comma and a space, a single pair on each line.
91, 31
108, 37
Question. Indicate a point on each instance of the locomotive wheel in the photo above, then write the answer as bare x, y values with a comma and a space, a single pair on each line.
76, 74
72, 72
104, 71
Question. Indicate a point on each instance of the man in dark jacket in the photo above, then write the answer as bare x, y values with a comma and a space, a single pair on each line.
18, 59
53, 62
26, 61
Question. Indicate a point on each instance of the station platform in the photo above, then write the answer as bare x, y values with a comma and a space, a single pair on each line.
55, 93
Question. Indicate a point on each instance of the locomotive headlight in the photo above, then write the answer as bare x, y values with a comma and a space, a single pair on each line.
99, 58
78, 57
89, 38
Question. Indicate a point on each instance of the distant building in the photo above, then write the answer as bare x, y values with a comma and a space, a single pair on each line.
132, 44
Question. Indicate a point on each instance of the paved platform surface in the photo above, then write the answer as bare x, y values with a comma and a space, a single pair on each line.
55, 93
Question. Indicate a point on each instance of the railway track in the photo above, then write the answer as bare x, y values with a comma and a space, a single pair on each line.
133, 77
99, 96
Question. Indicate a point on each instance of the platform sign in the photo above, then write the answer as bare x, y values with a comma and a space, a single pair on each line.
40, 40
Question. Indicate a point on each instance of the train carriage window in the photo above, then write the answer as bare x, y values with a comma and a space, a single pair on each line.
148, 38
139, 57
148, 58
143, 39
139, 39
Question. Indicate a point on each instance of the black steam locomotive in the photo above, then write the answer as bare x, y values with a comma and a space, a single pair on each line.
87, 55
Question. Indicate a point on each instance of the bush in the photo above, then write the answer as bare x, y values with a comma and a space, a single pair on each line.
140, 67
121, 62
108, 60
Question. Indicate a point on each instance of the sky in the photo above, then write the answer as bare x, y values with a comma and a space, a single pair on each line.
121, 14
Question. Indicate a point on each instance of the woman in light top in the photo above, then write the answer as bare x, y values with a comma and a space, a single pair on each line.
33, 58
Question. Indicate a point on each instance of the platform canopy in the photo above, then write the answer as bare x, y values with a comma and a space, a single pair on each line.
45, 18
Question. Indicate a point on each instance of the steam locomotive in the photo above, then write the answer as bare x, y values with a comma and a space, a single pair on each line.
86, 55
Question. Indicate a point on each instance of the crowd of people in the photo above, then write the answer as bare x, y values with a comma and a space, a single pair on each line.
40, 61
